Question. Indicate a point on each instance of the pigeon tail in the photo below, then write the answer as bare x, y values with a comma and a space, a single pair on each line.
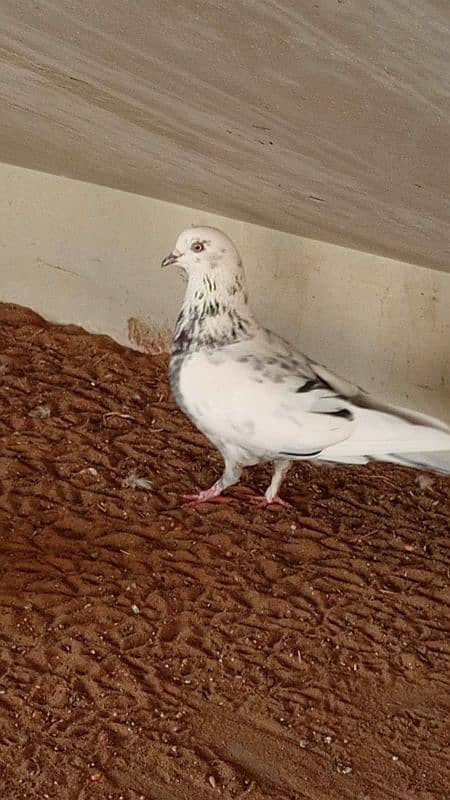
384, 437
430, 462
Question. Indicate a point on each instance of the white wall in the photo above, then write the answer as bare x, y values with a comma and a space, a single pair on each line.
80, 253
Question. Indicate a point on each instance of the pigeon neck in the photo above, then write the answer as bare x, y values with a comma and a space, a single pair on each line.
215, 312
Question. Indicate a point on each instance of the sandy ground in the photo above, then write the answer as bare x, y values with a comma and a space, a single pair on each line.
149, 652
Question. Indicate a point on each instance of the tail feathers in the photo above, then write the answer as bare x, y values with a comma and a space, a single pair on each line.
434, 462
414, 417
359, 397
438, 462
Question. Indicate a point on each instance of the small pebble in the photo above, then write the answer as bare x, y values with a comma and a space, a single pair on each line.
91, 471
344, 769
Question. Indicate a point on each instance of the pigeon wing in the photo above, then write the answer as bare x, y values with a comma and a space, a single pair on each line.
263, 400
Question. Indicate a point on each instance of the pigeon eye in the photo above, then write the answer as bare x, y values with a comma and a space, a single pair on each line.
198, 247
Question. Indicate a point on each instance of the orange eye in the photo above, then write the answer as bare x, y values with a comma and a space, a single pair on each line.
197, 247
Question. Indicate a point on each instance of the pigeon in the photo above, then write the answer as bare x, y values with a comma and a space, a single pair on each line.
258, 399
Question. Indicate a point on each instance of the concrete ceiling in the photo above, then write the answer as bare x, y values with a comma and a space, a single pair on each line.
326, 118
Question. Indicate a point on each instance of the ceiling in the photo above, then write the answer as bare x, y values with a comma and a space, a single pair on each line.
325, 118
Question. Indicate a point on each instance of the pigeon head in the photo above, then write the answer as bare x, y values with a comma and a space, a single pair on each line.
203, 251
215, 307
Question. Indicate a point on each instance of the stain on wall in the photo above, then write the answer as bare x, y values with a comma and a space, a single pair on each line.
148, 337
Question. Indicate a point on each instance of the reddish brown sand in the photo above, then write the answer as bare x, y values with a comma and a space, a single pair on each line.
154, 652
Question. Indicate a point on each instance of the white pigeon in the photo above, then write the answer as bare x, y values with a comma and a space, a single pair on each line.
258, 399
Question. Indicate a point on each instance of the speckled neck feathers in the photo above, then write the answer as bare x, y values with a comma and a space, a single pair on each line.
215, 311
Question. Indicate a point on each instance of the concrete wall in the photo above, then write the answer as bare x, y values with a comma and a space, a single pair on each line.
80, 253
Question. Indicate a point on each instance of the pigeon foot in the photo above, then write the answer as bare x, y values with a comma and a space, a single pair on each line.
203, 496
261, 501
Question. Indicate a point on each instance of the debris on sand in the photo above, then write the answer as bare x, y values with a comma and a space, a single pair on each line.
89, 471
304, 743
133, 481
424, 482
344, 769
40, 412
109, 414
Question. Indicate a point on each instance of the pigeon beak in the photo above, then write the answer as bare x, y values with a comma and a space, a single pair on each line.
172, 258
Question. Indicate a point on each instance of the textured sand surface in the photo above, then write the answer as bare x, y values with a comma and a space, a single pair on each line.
152, 652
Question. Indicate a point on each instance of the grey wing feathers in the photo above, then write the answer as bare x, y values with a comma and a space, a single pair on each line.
317, 376
361, 398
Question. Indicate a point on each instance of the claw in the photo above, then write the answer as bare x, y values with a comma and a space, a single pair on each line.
195, 500
202, 496
262, 502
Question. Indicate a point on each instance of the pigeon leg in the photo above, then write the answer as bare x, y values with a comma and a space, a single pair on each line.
231, 475
280, 470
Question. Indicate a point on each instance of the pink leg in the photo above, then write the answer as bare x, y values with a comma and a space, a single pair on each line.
271, 497
230, 476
